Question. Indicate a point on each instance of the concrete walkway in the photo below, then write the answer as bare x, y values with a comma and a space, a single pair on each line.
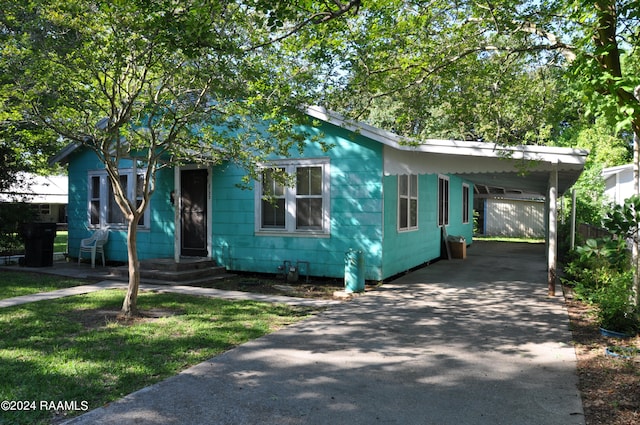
473, 341
84, 272
59, 293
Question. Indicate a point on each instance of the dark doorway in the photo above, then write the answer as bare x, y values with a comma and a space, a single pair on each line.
193, 214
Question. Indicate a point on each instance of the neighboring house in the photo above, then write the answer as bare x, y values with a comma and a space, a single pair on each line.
618, 183
48, 196
371, 192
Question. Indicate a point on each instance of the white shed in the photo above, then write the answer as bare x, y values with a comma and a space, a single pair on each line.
514, 217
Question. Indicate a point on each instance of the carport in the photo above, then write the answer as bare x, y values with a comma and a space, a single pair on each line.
538, 170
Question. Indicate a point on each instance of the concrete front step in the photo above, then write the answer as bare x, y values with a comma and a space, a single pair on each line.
185, 264
168, 272
193, 282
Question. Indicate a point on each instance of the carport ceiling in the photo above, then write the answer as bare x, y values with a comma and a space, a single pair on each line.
534, 182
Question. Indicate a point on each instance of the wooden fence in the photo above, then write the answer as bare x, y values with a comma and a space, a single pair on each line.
588, 231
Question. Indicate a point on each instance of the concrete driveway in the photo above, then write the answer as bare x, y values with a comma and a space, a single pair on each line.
473, 341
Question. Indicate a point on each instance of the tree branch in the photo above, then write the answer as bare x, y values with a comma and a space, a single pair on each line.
554, 44
316, 18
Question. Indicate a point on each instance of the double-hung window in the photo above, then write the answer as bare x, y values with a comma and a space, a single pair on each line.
407, 202
300, 208
103, 208
443, 201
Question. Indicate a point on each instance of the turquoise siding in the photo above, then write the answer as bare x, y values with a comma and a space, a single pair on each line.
355, 212
403, 250
363, 216
456, 226
153, 242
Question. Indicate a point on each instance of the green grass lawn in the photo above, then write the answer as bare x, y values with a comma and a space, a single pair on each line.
60, 242
75, 350
15, 284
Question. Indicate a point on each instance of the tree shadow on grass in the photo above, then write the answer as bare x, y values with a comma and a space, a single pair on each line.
70, 349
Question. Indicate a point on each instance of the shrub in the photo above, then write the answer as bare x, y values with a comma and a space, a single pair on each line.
616, 310
601, 274
12, 216
593, 265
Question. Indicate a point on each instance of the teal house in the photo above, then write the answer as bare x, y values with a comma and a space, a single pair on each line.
373, 192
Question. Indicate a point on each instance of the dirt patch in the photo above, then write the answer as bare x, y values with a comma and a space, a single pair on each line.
266, 284
98, 318
610, 387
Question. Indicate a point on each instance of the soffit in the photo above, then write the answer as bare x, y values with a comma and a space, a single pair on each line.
527, 175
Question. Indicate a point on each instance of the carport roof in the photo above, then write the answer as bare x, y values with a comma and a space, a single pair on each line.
524, 168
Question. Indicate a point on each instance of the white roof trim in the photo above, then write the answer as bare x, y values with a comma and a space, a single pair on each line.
607, 172
482, 163
453, 147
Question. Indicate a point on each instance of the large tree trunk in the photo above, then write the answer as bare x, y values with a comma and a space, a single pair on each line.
634, 247
130, 304
635, 125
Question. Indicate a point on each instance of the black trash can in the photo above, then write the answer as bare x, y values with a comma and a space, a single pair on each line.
38, 244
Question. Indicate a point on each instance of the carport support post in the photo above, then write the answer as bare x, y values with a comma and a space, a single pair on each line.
573, 218
553, 232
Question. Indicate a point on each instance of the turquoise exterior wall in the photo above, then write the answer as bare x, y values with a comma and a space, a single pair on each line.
456, 226
403, 250
363, 216
156, 241
355, 213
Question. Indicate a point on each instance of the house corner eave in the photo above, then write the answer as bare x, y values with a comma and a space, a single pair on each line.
62, 157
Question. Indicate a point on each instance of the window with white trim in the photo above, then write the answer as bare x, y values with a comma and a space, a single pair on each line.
303, 208
103, 208
443, 201
407, 202
465, 203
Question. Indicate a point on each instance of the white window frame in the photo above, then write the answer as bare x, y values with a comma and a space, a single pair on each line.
466, 193
444, 205
411, 196
290, 197
104, 201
